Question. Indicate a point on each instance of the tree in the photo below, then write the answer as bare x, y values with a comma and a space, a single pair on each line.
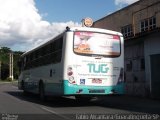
4, 58
4, 71
5, 50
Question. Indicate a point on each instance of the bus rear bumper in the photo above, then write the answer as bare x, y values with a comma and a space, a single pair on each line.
72, 89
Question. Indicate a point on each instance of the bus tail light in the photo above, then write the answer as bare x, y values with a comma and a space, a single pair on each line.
70, 75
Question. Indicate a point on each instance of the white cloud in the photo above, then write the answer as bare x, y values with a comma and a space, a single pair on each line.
124, 2
22, 27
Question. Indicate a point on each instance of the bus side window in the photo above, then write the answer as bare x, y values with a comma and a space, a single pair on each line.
56, 45
20, 65
24, 62
59, 49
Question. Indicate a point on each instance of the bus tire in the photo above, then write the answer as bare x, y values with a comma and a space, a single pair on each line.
23, 88
41, 92
22, 85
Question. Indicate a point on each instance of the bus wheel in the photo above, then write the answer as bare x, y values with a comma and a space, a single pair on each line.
23, 88
41, 91
22, 85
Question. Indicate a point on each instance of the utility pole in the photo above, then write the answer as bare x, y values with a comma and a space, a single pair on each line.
11, 66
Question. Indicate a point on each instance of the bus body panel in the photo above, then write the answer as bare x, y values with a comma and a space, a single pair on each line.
48, 74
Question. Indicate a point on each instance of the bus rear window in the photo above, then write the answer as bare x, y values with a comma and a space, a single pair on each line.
91, 43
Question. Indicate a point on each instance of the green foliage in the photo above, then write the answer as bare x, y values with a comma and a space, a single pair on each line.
8, 79
5, 50
4, 58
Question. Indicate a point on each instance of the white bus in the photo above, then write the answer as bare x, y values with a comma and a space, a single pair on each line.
79, 62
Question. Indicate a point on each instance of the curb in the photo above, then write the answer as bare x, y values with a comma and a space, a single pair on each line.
7, 82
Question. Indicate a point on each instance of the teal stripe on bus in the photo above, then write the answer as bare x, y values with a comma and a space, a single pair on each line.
71, 89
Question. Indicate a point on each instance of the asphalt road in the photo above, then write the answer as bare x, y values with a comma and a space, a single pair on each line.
14, 105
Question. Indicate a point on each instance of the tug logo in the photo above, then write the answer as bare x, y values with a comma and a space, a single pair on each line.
101, 68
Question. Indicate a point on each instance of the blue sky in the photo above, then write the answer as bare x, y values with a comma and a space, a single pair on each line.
25, 24
74, 10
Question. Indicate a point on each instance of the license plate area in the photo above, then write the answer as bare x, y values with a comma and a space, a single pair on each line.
96, 91
96, 81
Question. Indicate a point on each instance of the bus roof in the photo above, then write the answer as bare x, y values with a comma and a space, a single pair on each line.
75, 29
96, 30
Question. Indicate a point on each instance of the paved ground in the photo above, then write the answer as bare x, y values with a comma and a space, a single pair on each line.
13, 103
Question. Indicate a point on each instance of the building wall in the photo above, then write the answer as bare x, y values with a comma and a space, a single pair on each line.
151, 47
132, 14
134, 68
138, 48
